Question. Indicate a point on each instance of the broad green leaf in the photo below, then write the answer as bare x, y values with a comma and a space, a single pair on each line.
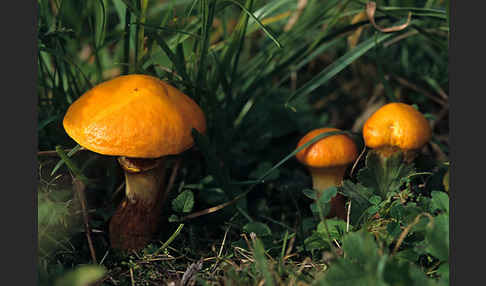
439, 201
327, 195
310, 193
357, 192
336, 227
394, 229
437, 238
82, 276
384, 175
323, 202
184, 202
375, 200
397, 211
360, 246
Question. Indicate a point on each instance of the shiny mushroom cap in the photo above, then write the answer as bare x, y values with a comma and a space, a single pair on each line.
134, 116
335, 150
396, 125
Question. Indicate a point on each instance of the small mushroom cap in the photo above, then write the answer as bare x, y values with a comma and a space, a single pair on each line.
335, 150
134, 116
397, 125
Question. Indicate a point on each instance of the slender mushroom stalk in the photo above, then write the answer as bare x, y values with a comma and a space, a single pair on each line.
140, 119
396, 127
327, 161
324, 178
137, 217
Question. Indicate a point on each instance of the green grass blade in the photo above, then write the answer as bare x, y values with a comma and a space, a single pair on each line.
261, 262
340, 64
72, 166
266, 30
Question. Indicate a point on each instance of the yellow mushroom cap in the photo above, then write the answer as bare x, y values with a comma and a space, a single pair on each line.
397, 125
134, 116
335, 150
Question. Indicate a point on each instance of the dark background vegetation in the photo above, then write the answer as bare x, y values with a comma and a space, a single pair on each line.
263, 85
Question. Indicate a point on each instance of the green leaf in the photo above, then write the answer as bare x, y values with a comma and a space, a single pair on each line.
260, 229
336, 227
375, 200
310, 193
360, 246
173, 218
443, 272
360, 265
373, 209
397, 211
394, 229
327, 195
437, 238
357, 192
439, 201
409, 255
261, 261
184, 202
81, 276
315, 241
385, 175
323, 202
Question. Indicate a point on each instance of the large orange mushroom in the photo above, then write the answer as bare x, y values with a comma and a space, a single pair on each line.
327, 161
394, 127
140, 119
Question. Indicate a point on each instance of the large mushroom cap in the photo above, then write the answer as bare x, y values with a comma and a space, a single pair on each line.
396, 125
134, 116
335, 150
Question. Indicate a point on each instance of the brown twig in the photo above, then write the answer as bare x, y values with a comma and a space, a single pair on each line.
79, 189
173, 174
215, 208
356, 161
407, 229
348, 216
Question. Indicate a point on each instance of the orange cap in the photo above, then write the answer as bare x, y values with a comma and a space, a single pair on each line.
397, 124
135, 116
335, 150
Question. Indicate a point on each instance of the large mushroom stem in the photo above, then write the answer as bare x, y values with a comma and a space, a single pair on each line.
324, 178
137, 217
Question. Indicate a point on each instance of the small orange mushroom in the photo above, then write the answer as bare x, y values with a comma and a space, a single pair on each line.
396, 126
140, 119
327, 161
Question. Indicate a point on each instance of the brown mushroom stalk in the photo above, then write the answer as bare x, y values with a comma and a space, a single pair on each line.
327, 161
137, 217
324, 178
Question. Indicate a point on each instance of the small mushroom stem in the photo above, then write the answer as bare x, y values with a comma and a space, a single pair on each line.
324, 178
386, 151
137, 217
